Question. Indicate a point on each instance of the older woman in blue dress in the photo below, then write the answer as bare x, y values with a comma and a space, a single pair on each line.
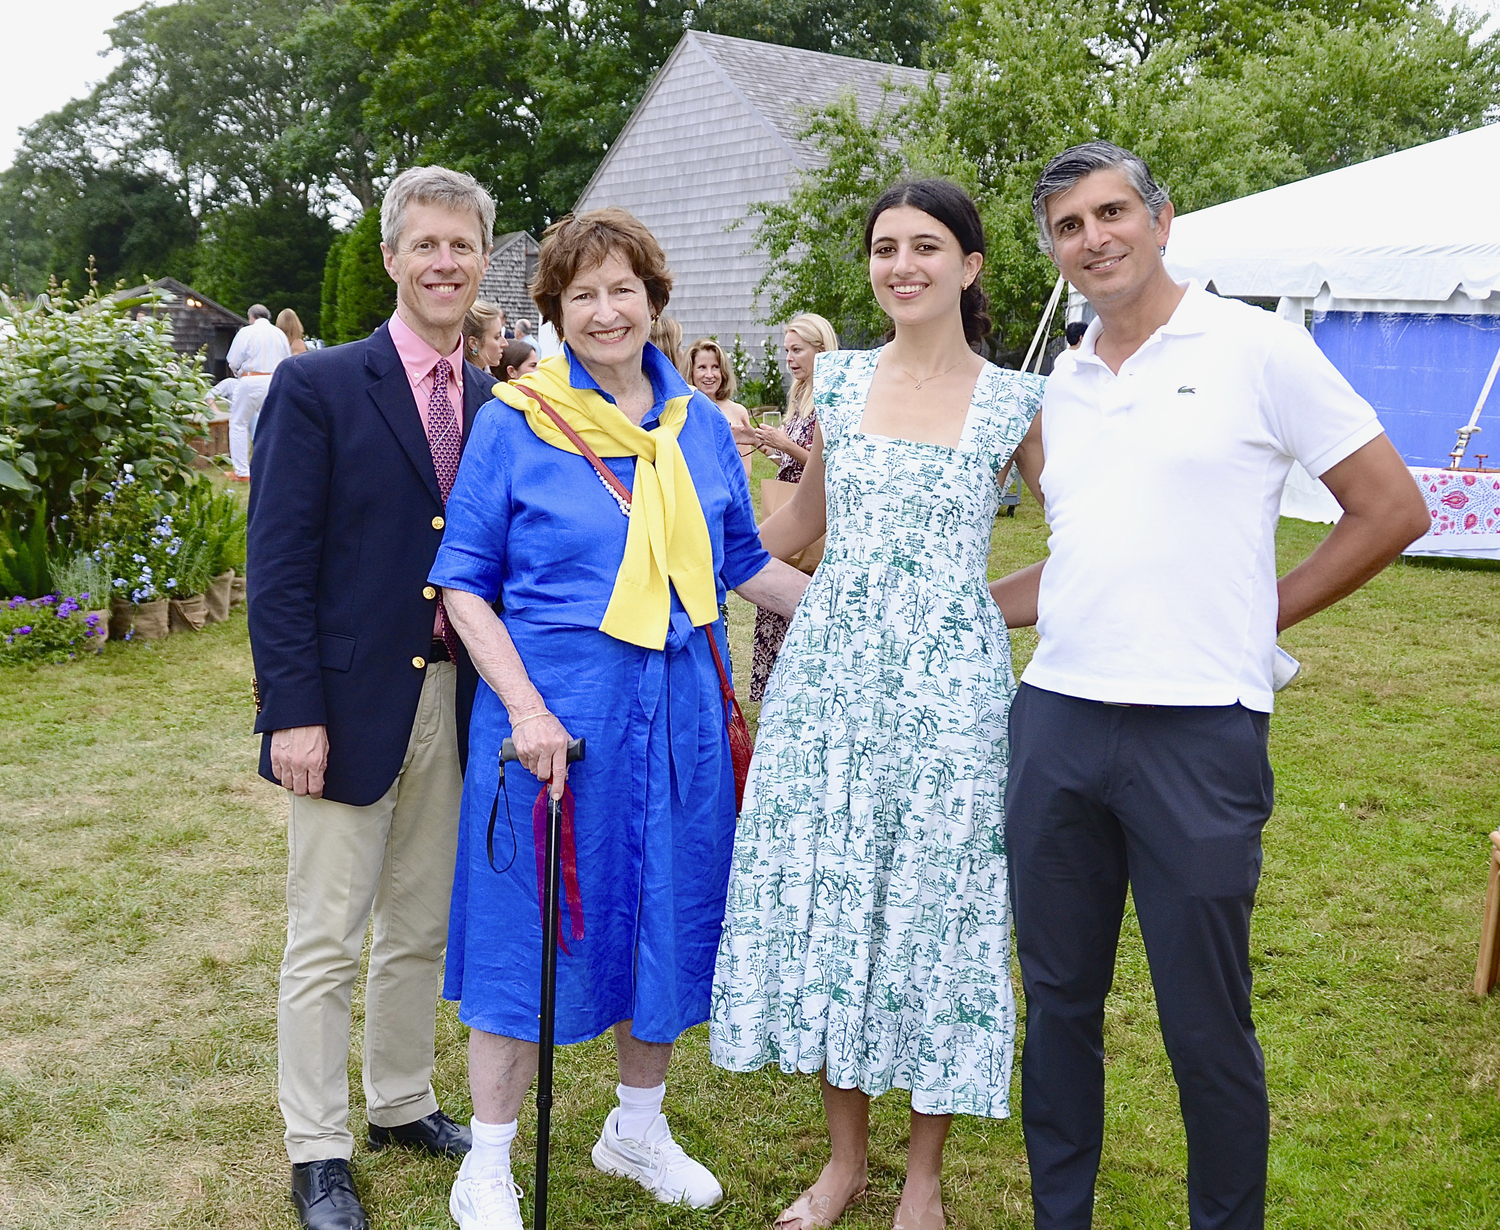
608, 605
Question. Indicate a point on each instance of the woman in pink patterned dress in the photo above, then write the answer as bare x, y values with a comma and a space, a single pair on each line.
807, 336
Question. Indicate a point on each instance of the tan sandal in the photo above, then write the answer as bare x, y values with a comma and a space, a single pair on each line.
802, 1215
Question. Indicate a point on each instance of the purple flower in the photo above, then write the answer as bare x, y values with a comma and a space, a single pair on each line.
16, 601
92, 621
24, 630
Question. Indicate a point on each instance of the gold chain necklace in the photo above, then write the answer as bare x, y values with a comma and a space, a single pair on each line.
913, 375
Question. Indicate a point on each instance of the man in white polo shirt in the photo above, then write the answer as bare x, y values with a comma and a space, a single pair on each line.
1138, 736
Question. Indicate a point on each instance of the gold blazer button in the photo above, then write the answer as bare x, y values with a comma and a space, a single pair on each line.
438, 523
419, 662
428, 592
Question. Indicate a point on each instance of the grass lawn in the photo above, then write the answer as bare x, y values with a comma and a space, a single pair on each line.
141, 908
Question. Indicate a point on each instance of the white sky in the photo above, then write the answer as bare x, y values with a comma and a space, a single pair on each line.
49, 53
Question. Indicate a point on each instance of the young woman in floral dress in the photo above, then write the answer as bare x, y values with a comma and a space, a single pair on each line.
867, 933
807, 336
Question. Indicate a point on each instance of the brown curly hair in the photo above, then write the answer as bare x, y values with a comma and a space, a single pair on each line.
576, 243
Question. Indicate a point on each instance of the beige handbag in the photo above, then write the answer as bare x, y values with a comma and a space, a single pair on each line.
773, 494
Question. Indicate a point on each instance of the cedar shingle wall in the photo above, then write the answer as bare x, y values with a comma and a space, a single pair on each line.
692, 161
504, 282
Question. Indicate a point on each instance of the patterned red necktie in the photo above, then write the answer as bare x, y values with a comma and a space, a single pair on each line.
445, 439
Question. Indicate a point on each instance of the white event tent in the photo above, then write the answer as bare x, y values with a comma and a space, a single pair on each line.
1395, 262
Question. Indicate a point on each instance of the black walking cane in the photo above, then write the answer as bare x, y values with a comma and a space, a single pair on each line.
552, 910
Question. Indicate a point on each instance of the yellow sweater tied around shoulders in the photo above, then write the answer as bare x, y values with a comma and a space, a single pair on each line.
666, 543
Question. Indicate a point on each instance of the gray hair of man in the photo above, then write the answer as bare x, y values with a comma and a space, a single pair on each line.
258, 311
1078, 161
454, 190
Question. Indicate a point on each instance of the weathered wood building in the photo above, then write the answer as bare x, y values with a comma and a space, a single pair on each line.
717, 132
197, 321
512, 262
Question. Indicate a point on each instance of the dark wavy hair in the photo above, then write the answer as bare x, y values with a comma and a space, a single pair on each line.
955, 209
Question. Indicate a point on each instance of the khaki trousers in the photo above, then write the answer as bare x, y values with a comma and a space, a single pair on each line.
396, 857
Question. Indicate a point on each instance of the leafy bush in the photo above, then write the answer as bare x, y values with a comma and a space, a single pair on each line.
365, 294
139, 539
47, 629
83, 575
25, 566
767, 389
84, 390
220, 520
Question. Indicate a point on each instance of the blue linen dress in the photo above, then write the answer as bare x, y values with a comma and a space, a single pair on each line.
535, 526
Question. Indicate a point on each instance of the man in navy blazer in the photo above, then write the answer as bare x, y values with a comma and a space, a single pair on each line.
358, 688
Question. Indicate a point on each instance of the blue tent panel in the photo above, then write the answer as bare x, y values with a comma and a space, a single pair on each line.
1422, 373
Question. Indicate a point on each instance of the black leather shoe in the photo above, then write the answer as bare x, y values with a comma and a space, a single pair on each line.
435, 1134
325, 1197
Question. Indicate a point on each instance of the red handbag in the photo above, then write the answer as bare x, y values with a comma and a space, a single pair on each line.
741, 746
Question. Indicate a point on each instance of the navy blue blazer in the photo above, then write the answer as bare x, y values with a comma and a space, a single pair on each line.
345, 521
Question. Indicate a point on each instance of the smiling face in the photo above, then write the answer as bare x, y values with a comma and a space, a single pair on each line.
436, 266
1104, 239
606, 316
707, 376
918, 269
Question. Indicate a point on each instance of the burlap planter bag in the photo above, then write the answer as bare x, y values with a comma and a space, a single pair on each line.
121, 618
187, 614
151, 621
216, 597
237, 590
97, 641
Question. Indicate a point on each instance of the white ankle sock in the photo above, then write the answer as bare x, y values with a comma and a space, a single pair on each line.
491, 1149
638, 1110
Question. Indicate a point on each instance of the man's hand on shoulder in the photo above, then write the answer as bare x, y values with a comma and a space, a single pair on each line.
299, 757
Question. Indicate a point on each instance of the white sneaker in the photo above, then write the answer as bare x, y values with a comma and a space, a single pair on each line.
485, 1200
657, 1163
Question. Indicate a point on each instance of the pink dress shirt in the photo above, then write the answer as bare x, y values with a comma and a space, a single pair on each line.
419, 359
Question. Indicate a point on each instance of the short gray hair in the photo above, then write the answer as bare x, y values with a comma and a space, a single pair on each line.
435, 186
1077, 161
258, 311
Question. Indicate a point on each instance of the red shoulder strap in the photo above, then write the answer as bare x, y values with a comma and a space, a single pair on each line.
622, 493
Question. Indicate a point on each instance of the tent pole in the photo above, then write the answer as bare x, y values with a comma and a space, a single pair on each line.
1465, 432
1041, 326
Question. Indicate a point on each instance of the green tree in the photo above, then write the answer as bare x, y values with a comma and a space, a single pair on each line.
1215, 118
366, 294
865, 29
328, 302
271, 253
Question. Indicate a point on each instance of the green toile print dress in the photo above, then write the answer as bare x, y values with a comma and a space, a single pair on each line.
868, 919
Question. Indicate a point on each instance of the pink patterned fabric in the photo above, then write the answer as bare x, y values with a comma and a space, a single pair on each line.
1460, 502
445, 439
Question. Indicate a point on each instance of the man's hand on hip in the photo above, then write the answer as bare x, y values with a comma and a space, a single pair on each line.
299, 757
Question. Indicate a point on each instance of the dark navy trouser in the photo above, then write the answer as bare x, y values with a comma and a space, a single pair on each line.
1171, 800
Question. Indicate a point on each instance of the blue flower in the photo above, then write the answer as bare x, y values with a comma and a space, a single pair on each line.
24, 630
139, 559
121, 582
171, 582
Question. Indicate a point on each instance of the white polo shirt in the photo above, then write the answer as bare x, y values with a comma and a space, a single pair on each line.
1163, 488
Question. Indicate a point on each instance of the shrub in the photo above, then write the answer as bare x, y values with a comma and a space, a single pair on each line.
25, 566
84, 389
83, 575
47, 629
148, 556
366, 294
219, 519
